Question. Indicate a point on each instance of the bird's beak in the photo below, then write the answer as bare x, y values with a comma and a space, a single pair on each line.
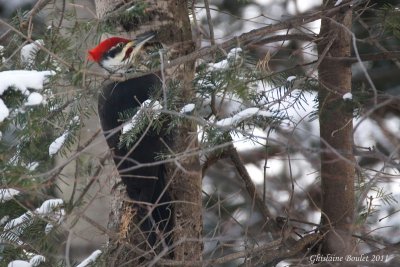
143, 38
140, 41
132, 48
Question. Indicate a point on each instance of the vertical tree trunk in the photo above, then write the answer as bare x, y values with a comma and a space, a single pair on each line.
335, 118
170, 20
185, 176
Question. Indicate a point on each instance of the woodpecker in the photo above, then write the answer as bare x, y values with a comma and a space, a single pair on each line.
145, 185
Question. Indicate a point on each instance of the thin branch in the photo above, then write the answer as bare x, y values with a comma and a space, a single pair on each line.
209, 20
37, 8
50, 181
251, 189
94, 178
274, 251
387, 55
245, 39
284, 252
287, 37
41, 46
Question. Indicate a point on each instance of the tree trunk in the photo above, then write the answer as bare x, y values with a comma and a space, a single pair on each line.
335, 118
170, 20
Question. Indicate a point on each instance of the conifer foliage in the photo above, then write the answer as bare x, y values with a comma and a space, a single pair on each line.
253, 90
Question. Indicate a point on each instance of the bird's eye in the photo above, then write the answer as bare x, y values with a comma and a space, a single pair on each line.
120, 45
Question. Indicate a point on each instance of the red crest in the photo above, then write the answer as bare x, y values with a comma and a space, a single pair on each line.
97, 52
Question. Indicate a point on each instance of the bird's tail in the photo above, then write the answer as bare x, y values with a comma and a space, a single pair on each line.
159, 224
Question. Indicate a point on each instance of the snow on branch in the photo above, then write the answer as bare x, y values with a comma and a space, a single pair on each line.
19, 263
4, 111
338, 2
51, 210
348, 96
146, 105
234, 56
241, 116
187, 108
34, 99
35, 261
91, 259
56, 145
7, 194
29, 52
21, 80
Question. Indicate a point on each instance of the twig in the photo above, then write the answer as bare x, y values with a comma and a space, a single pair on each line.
36, 8
41, 46
245, 39
73, 157
274, 251
284, 252
94, 178
209, 21
251, 189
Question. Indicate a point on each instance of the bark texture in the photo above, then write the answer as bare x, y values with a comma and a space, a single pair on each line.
185, 174
105, 6
335, 118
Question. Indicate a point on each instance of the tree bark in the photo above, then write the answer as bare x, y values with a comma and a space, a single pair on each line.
170, 21
185, 175
335, 118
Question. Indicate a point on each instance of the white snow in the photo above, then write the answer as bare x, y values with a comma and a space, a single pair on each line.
188, 108
290, 78
2, 54
264, 113
242, 115
49, 206
233, 56
57, 144
50, 209
392, 124
21, 80
131, 124
29, 52
4, 219
75, 120
34, 99
4, 111
32, 166
221, 65
347, 96
155, 106
7, 194
91, 259
19, 263
37, 259
16, 227
338, 2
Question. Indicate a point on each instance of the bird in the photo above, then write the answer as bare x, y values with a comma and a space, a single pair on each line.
145, 185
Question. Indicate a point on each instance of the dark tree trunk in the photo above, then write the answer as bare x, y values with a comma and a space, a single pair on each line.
335, 118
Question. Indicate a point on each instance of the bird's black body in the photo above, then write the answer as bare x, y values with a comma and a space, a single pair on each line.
143, 184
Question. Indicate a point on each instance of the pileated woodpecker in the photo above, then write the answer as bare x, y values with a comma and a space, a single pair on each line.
144, 184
